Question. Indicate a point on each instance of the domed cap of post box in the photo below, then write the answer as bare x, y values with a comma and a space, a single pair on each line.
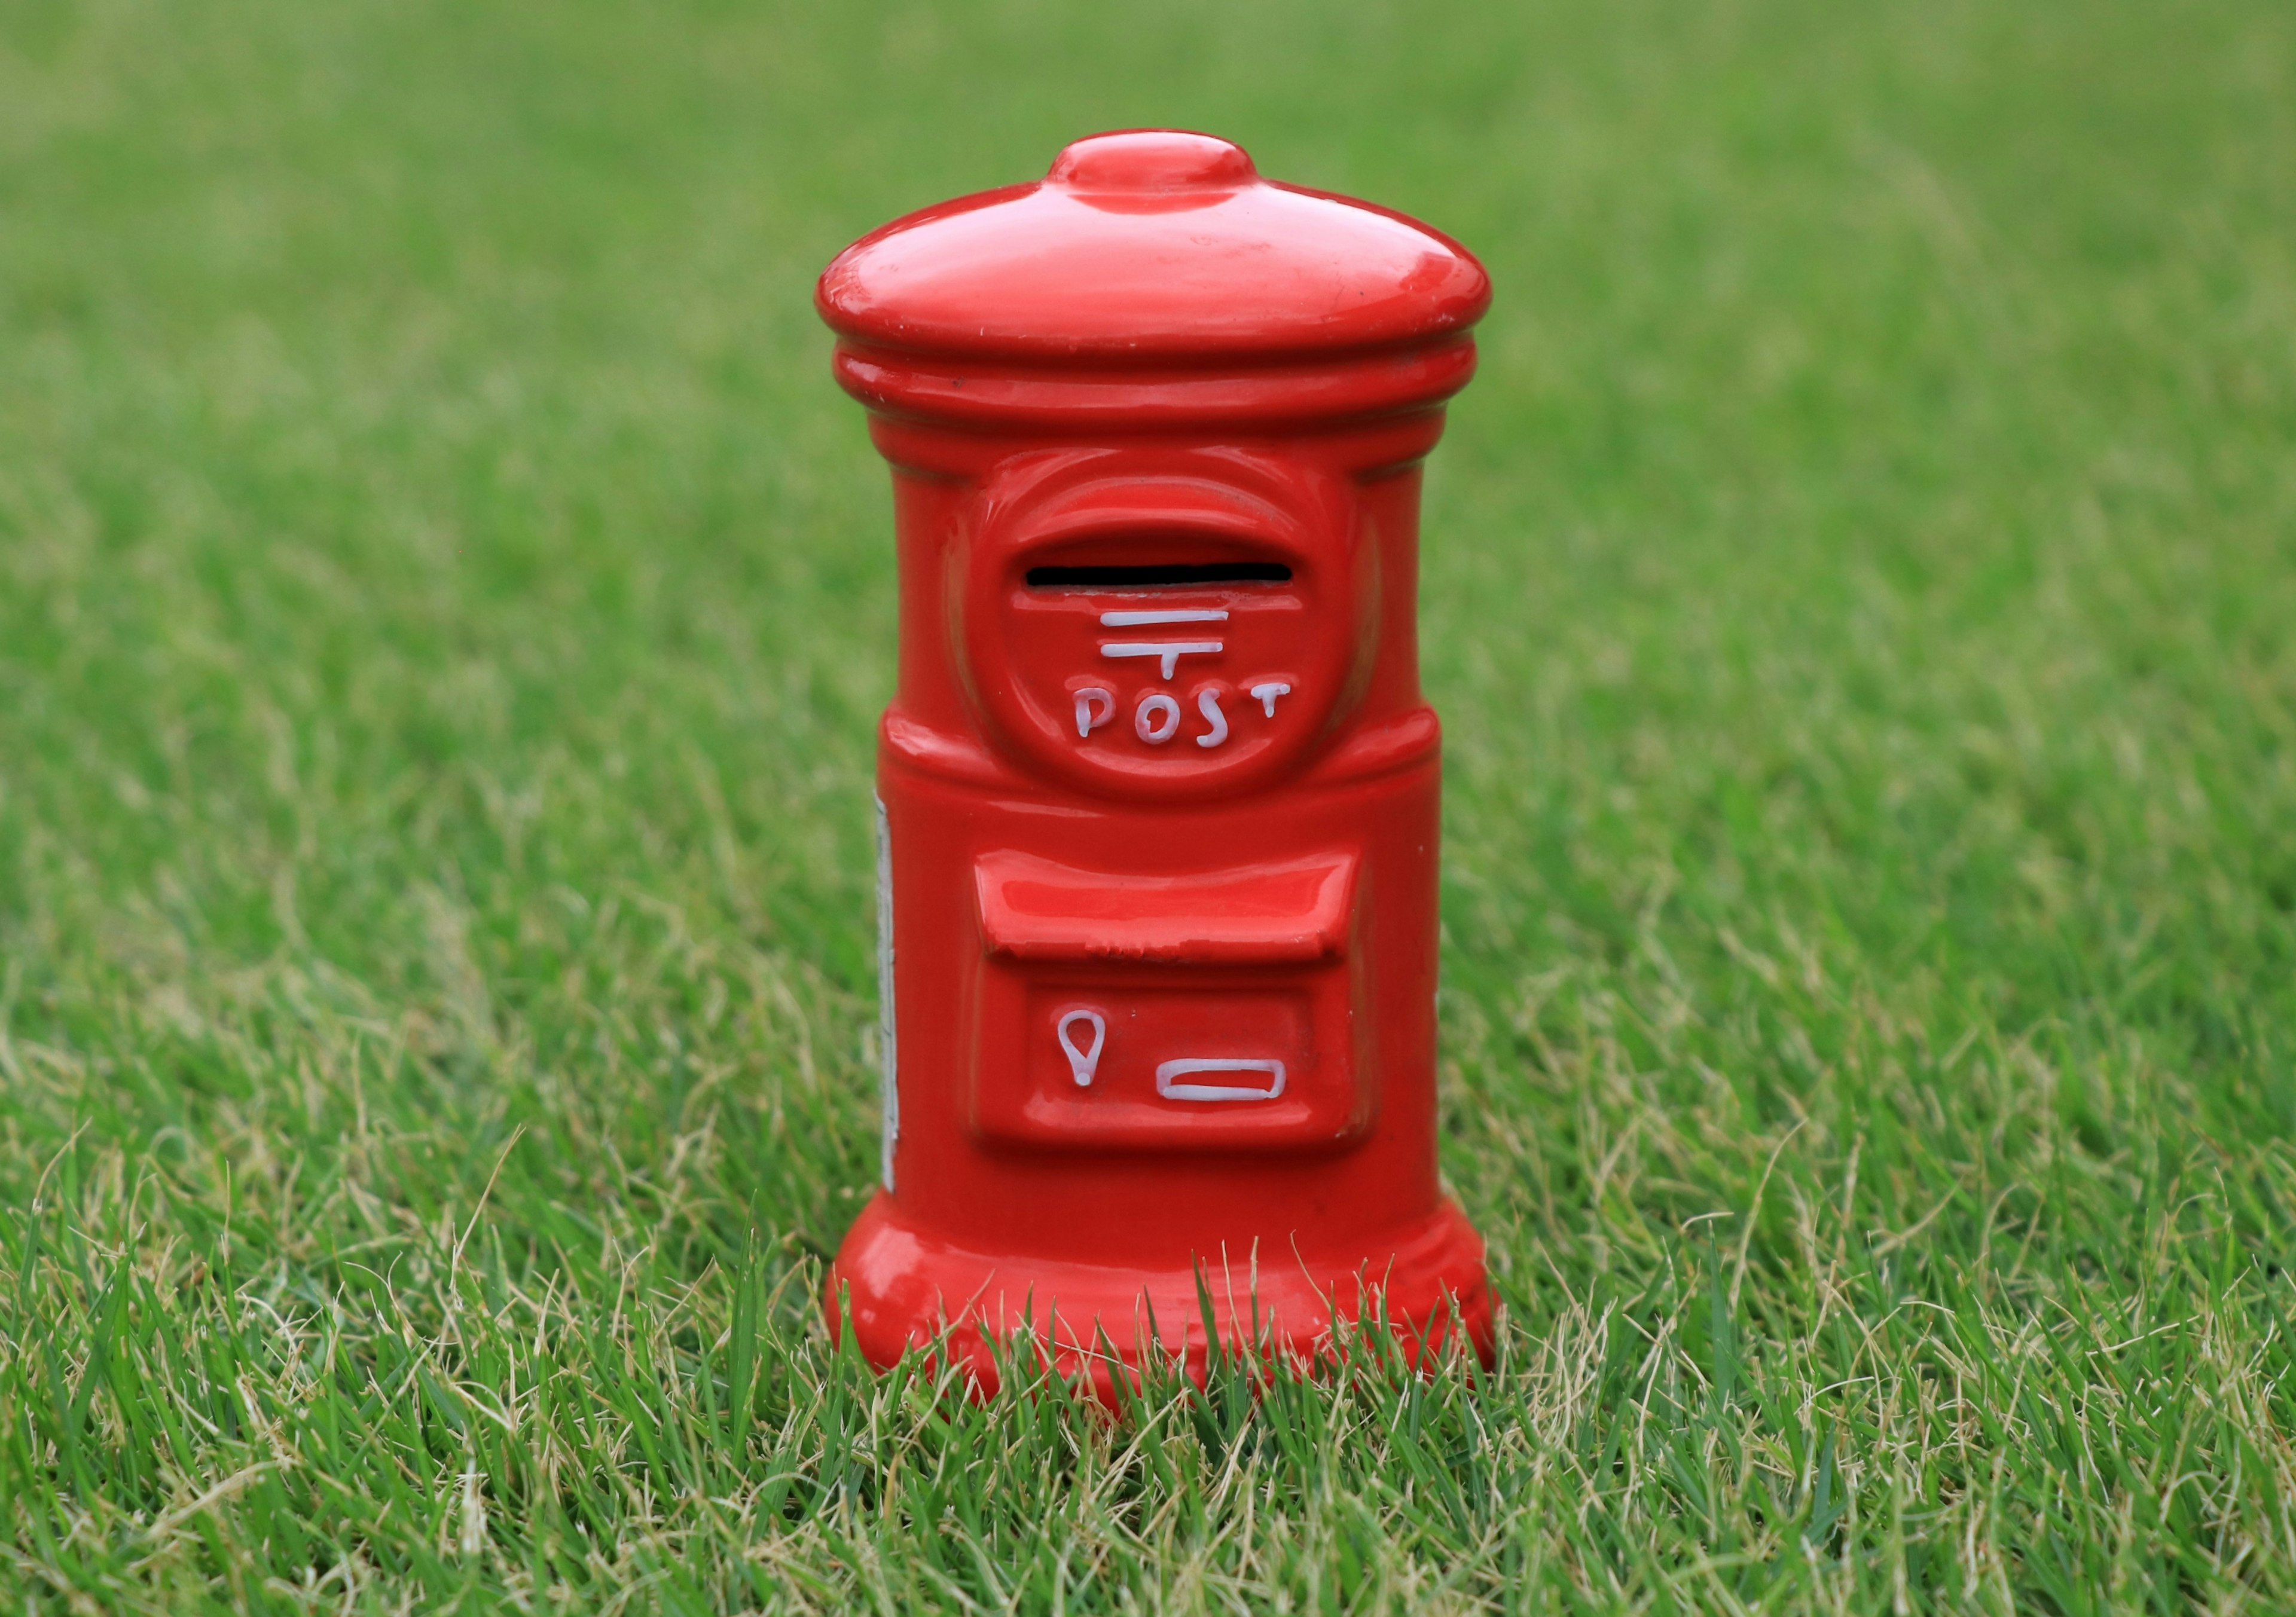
1153, 274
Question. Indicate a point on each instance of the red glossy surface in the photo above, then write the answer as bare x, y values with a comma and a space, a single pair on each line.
1150, 246
1161, 791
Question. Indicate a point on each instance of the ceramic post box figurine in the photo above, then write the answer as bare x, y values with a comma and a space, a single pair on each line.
1157, 905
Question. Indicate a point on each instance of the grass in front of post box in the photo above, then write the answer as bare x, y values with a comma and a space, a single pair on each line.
444, 605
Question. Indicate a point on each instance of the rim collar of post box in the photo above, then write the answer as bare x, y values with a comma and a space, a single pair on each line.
1152, 277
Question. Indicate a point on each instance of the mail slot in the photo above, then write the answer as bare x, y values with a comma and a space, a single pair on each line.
1158, 791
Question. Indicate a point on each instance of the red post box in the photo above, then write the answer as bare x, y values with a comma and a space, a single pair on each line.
1158, 790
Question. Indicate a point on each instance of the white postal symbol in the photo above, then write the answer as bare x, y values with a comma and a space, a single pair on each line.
1168, 653
1088, 699
1084, 1063
1184, 615
1160, 728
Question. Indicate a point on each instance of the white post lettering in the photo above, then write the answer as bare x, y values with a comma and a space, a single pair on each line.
1088, 699
1208, 704
1156, 719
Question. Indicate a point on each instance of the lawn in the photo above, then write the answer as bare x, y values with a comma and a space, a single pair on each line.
444, 605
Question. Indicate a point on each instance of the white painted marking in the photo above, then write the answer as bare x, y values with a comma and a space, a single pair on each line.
1266, 694
1082, 1063
1166, 1071
1178, 615
1168, 651
1156, 733
889, 1059
1208, 704
1087, 720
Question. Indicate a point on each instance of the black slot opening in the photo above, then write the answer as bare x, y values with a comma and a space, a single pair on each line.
1164, 574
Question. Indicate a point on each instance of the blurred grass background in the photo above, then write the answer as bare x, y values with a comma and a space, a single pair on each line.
444, 606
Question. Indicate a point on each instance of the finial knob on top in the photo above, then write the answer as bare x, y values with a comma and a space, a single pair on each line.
1152, 160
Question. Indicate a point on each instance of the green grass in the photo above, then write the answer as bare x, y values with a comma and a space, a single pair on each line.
443, 608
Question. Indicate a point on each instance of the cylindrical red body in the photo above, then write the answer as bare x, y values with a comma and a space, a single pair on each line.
1160, 790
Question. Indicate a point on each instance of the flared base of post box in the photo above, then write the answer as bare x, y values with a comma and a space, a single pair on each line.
901, 1289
